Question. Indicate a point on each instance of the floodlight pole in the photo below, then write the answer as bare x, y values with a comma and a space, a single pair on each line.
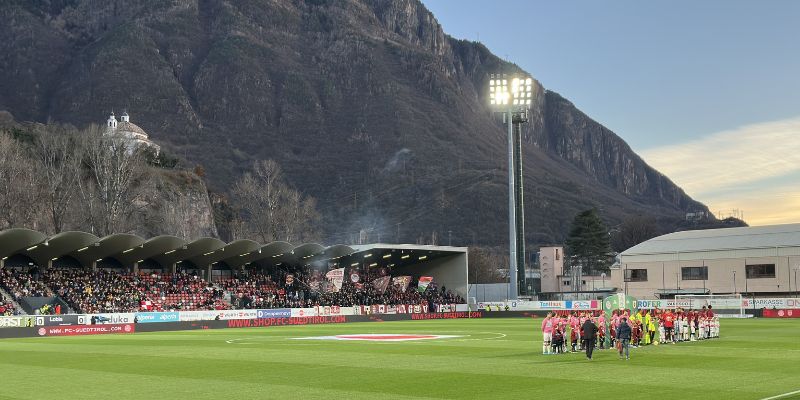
514, 110
512, 219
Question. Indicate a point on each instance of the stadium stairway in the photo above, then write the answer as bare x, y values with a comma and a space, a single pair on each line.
13, 302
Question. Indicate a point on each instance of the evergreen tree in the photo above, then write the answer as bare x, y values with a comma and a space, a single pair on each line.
588, 243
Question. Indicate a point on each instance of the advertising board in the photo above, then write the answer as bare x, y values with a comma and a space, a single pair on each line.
581, 304
793, 303
111, 318
151, 317
237, 314
19, 321
55, 320
76, 330
208, 315
771, 313
274, 313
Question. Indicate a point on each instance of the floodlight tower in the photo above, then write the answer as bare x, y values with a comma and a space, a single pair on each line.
511, 95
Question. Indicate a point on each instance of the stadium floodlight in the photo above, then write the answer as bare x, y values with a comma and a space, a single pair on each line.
31, 248
82, 249
171, 251
512, 95
508, 91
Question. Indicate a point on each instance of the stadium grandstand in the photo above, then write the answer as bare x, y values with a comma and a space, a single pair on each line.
81, 273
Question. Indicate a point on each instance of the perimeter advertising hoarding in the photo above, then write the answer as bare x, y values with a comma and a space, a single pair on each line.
151, 317
112, 318
237, 314
581, 304
77, 330
187, 316
19, 321
274, 313
772, 303
55, 320
771, 313
525, 305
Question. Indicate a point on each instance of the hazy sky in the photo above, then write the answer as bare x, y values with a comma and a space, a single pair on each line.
707, 92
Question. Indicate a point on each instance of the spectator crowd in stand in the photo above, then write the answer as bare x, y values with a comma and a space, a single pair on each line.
104, 291
20, 283
91, 291
287, 289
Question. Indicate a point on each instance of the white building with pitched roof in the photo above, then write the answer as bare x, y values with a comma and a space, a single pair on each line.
759, 261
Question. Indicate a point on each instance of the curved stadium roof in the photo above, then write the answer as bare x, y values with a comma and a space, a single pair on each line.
165, 250
716, 240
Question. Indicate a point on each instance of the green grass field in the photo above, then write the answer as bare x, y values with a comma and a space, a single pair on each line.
493, 358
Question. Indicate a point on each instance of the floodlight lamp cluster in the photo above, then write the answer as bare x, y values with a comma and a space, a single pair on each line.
510, 91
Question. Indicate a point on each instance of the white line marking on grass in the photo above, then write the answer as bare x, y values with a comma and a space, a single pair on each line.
237, 341
780, 396
496, 337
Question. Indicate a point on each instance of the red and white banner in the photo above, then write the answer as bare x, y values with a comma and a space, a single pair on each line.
336, 276
76, 330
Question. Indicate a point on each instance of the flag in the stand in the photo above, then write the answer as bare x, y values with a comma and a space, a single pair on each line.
336, 277
401, 282
147, 305
354, 276
424, 281
381, 284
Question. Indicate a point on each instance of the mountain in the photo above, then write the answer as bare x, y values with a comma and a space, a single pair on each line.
367, 105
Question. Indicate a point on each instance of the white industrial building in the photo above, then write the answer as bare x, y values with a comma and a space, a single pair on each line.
759, 261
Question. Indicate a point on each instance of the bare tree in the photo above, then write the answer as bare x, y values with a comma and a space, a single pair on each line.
271, 210
19, 192
59, 160
114, 186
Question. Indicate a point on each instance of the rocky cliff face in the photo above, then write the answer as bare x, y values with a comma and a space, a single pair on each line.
597, 151
367, 104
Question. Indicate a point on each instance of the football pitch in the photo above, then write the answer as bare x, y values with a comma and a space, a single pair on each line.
478, 358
